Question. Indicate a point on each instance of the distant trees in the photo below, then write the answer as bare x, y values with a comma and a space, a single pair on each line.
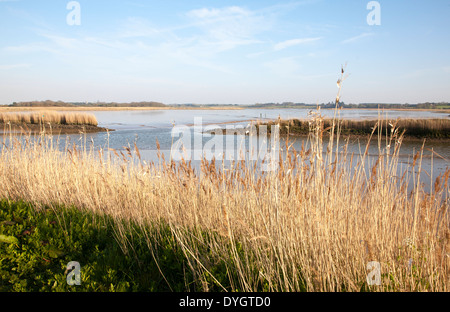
280, 105
132, 104
49, 103
428, 105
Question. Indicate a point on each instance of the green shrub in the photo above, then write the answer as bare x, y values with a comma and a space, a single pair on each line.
35, 248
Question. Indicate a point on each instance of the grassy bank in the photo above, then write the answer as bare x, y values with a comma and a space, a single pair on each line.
36, 246
312, 225
412, 128
54, 129
49, 122
52, 117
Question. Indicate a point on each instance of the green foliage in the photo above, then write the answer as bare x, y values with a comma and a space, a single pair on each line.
35, 248
49, 103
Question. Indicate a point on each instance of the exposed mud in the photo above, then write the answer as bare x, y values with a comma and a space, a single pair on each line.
54, 129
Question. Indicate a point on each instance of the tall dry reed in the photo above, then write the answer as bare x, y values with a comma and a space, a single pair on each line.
53, 117
312, 225
426, 127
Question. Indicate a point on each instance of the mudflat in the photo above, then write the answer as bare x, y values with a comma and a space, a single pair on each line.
54, 129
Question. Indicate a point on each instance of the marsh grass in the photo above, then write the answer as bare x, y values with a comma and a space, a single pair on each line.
52, 117
414, 128
314, 230
312, 225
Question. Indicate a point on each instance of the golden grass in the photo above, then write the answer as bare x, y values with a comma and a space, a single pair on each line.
52, 117
313, 225
425, 127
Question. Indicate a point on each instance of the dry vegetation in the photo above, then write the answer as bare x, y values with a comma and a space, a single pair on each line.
414, 128
45, 117
313, 224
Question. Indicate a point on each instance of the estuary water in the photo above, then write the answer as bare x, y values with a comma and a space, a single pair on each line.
147, 127
144, 127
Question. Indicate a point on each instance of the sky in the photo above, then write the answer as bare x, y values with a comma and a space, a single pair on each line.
224, 51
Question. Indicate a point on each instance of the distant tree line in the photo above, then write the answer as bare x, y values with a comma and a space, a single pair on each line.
393, 105
49, 103
427, 105
281, 105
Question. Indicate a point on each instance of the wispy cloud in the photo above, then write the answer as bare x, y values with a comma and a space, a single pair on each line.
293, 42
227, 28
14, 66
356, 38
26, 17
137, 27
30, 48
201, 39
218, 13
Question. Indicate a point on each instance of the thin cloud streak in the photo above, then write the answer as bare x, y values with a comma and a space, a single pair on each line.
293, 42
14, 66
356, 38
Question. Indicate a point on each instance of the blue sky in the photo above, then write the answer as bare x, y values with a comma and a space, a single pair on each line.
222, 51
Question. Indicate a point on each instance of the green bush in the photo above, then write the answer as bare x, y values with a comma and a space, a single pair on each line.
35, 248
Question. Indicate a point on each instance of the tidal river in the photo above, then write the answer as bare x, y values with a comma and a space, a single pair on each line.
145, 127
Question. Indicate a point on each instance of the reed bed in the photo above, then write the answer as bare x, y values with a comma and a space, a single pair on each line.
52, 117
312, 225
419, 128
